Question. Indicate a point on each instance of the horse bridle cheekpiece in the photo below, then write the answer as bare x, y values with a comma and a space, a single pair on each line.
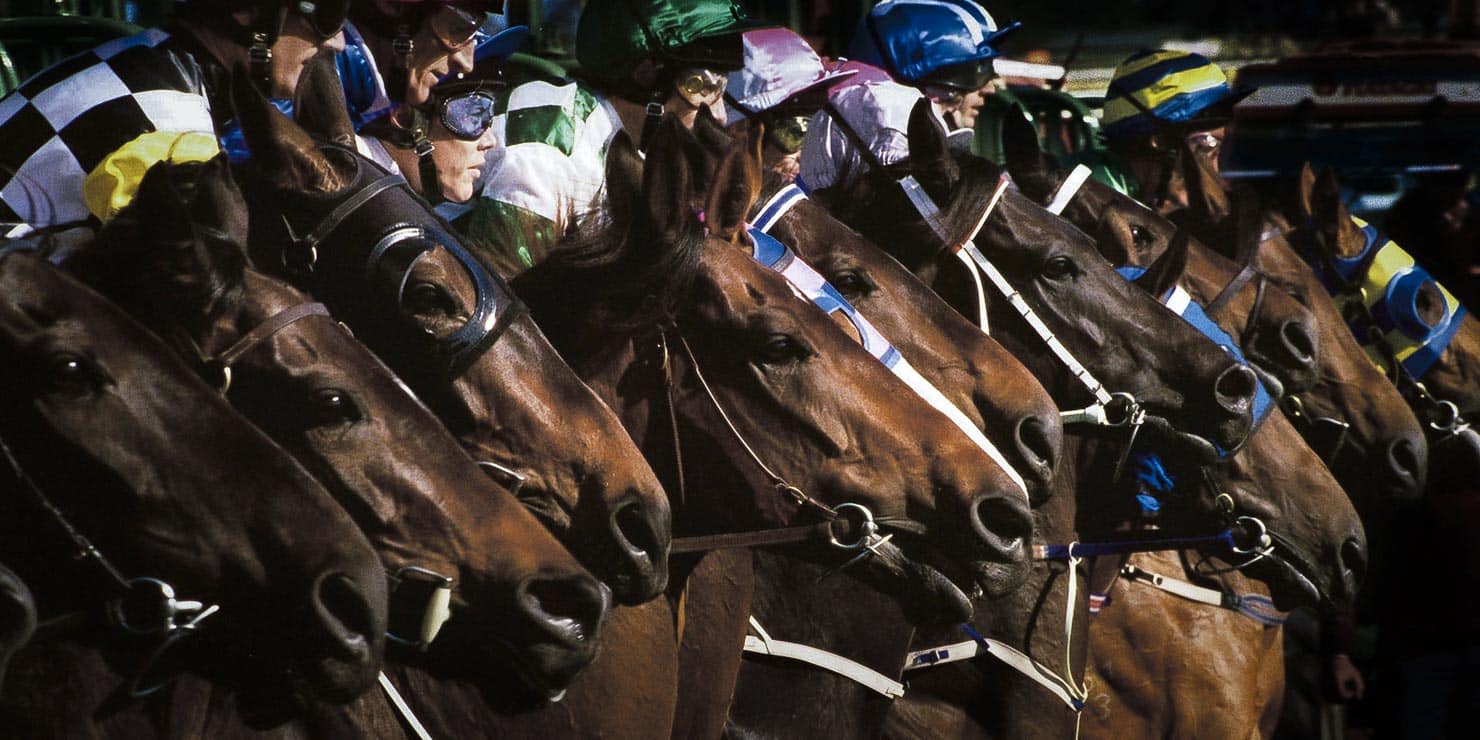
142, 608
344, 253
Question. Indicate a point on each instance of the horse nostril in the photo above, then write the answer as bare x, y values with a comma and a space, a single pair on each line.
570, 609
1235, 388
1003, 525
642, 543
1406, 459
1298, 341
345, 616
1353, 563
1035, 443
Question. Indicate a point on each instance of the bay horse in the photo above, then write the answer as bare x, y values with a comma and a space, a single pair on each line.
17, 618
457, 548
117, 453
417, 295
1340, 406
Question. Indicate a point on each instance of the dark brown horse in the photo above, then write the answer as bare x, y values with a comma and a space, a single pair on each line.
448, 536
1343, 388
500, 388
17, 618
167, 482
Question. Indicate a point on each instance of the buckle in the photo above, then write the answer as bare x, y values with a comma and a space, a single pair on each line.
436, 610
654, 110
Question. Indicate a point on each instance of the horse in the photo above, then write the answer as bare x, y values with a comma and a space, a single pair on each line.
17, 618
1340, 404
479, 586
417, 295
1337, 537
117, 454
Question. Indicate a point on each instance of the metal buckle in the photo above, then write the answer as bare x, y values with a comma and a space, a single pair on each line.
435, 613
149, 608
654, 110
868, 538
1261, 539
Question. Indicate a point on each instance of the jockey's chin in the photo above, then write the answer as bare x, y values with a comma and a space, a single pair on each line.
297, 46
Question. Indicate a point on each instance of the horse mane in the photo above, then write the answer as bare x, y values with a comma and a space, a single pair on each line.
159, 260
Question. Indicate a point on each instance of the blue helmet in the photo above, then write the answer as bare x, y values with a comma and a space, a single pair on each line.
919, 39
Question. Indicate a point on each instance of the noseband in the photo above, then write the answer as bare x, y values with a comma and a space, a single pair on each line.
141, 608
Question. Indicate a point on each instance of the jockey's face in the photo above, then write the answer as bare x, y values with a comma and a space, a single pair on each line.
296, 45
459, 161
443, 45
971, 105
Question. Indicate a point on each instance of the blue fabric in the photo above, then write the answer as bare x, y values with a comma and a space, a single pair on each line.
234, 143
1194, 315
1179, 109
913, 39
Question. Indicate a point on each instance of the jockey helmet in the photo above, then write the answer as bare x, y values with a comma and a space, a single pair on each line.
944, 43
1153, 91
615, 36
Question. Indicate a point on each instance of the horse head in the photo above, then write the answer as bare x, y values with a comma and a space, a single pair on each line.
419, 296
755, 396
1117, 331
169, 482
455, 546
977, 374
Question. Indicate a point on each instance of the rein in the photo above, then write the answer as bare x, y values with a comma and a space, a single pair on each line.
141, 608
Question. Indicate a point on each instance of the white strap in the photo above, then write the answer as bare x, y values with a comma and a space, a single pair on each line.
981, 292
1068, 189
938, 401
849, 669
1009, 655
403, 708
931, 213
783, 201
1174, 586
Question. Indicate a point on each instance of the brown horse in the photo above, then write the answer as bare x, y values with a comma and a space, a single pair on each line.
449, 537
1341, 406
1054, 268
500, 388
168, 482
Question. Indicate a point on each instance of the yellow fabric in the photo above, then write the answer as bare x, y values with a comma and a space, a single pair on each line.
1390, 262
1148, 61
114, 182
1151, 96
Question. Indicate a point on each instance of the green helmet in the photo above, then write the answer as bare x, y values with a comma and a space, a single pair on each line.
615, 36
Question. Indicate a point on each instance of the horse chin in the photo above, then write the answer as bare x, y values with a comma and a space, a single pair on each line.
542, 669
1289, 586
927, 595
338, 681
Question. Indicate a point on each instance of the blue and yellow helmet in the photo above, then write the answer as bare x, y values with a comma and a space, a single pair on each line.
1152, 90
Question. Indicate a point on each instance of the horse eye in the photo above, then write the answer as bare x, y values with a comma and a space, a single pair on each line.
779, 348
1058, 267
332, 407
850, 283
1140, 236
72, 375
424, 298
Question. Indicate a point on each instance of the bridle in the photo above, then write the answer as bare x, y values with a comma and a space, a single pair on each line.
340, 258
1348, 281
142, 608
860, 538
429, 591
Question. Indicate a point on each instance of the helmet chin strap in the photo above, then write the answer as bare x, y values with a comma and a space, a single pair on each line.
417, 138
267, 26
402, 46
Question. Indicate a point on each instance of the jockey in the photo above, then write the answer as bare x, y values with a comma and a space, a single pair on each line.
783, 84
80, 135
454, 134
1161, 104
639, 59
942, 49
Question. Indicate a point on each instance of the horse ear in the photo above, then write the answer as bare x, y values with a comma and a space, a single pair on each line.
1025, 158
667, 183
930, 154
1342, 235
1206, 196
737, 182
1304, 187
282, 152
319, 103
219, 201
1168, 268
623, 178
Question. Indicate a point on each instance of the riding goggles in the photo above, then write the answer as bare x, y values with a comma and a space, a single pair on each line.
325, 17
700, 83
467, 115
962, 78
787, 133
